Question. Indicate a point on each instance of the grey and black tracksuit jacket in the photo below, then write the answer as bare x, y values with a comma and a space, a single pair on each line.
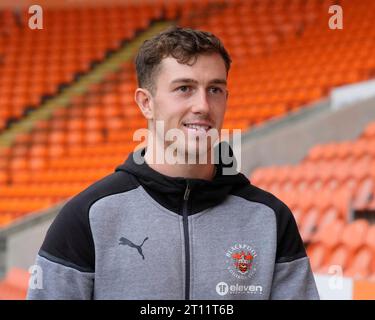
138, 234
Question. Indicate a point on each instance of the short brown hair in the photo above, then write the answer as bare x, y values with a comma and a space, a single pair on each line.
183, 44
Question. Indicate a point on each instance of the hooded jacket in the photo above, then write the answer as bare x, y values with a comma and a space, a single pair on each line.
138, 234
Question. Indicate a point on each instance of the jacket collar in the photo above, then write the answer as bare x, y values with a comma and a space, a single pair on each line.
169, 191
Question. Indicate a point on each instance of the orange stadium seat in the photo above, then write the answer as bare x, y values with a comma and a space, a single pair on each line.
14, 285
330, 235
354, 234
360, 266
338, 257
317, 254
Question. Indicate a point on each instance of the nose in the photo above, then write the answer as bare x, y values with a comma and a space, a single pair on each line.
201, 104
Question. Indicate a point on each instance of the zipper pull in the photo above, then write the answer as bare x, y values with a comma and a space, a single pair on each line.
187, 192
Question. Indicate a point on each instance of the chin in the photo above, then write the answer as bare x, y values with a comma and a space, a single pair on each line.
198, 153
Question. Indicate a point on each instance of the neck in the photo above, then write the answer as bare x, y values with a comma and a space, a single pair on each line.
204, 171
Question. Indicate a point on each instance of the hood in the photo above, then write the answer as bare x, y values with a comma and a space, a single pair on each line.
169, 191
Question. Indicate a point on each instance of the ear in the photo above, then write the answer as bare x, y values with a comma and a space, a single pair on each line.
143, 98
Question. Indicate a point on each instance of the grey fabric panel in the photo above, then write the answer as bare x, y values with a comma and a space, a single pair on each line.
60, 282
215, 231
121, 272
294, 281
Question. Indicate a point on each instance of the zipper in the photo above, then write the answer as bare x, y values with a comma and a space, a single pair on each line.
186, 237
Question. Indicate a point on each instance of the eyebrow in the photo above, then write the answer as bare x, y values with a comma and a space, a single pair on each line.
188, 80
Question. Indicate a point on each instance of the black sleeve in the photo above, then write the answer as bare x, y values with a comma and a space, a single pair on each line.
289, 242
69, 239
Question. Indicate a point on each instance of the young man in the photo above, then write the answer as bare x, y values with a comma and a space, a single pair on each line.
158, 230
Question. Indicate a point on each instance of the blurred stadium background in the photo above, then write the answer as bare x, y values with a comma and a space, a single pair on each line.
303, 94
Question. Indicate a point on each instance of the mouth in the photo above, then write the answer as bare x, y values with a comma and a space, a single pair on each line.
198, 127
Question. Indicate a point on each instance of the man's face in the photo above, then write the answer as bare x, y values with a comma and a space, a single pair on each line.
191, 98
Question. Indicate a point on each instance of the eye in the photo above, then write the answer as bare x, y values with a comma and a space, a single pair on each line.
183, 88
216, 90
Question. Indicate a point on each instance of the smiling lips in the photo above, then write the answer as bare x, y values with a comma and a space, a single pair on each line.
198, 126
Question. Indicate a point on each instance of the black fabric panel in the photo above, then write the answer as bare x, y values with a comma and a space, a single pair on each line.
69, 238
202, 196
289, 242
169, 191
